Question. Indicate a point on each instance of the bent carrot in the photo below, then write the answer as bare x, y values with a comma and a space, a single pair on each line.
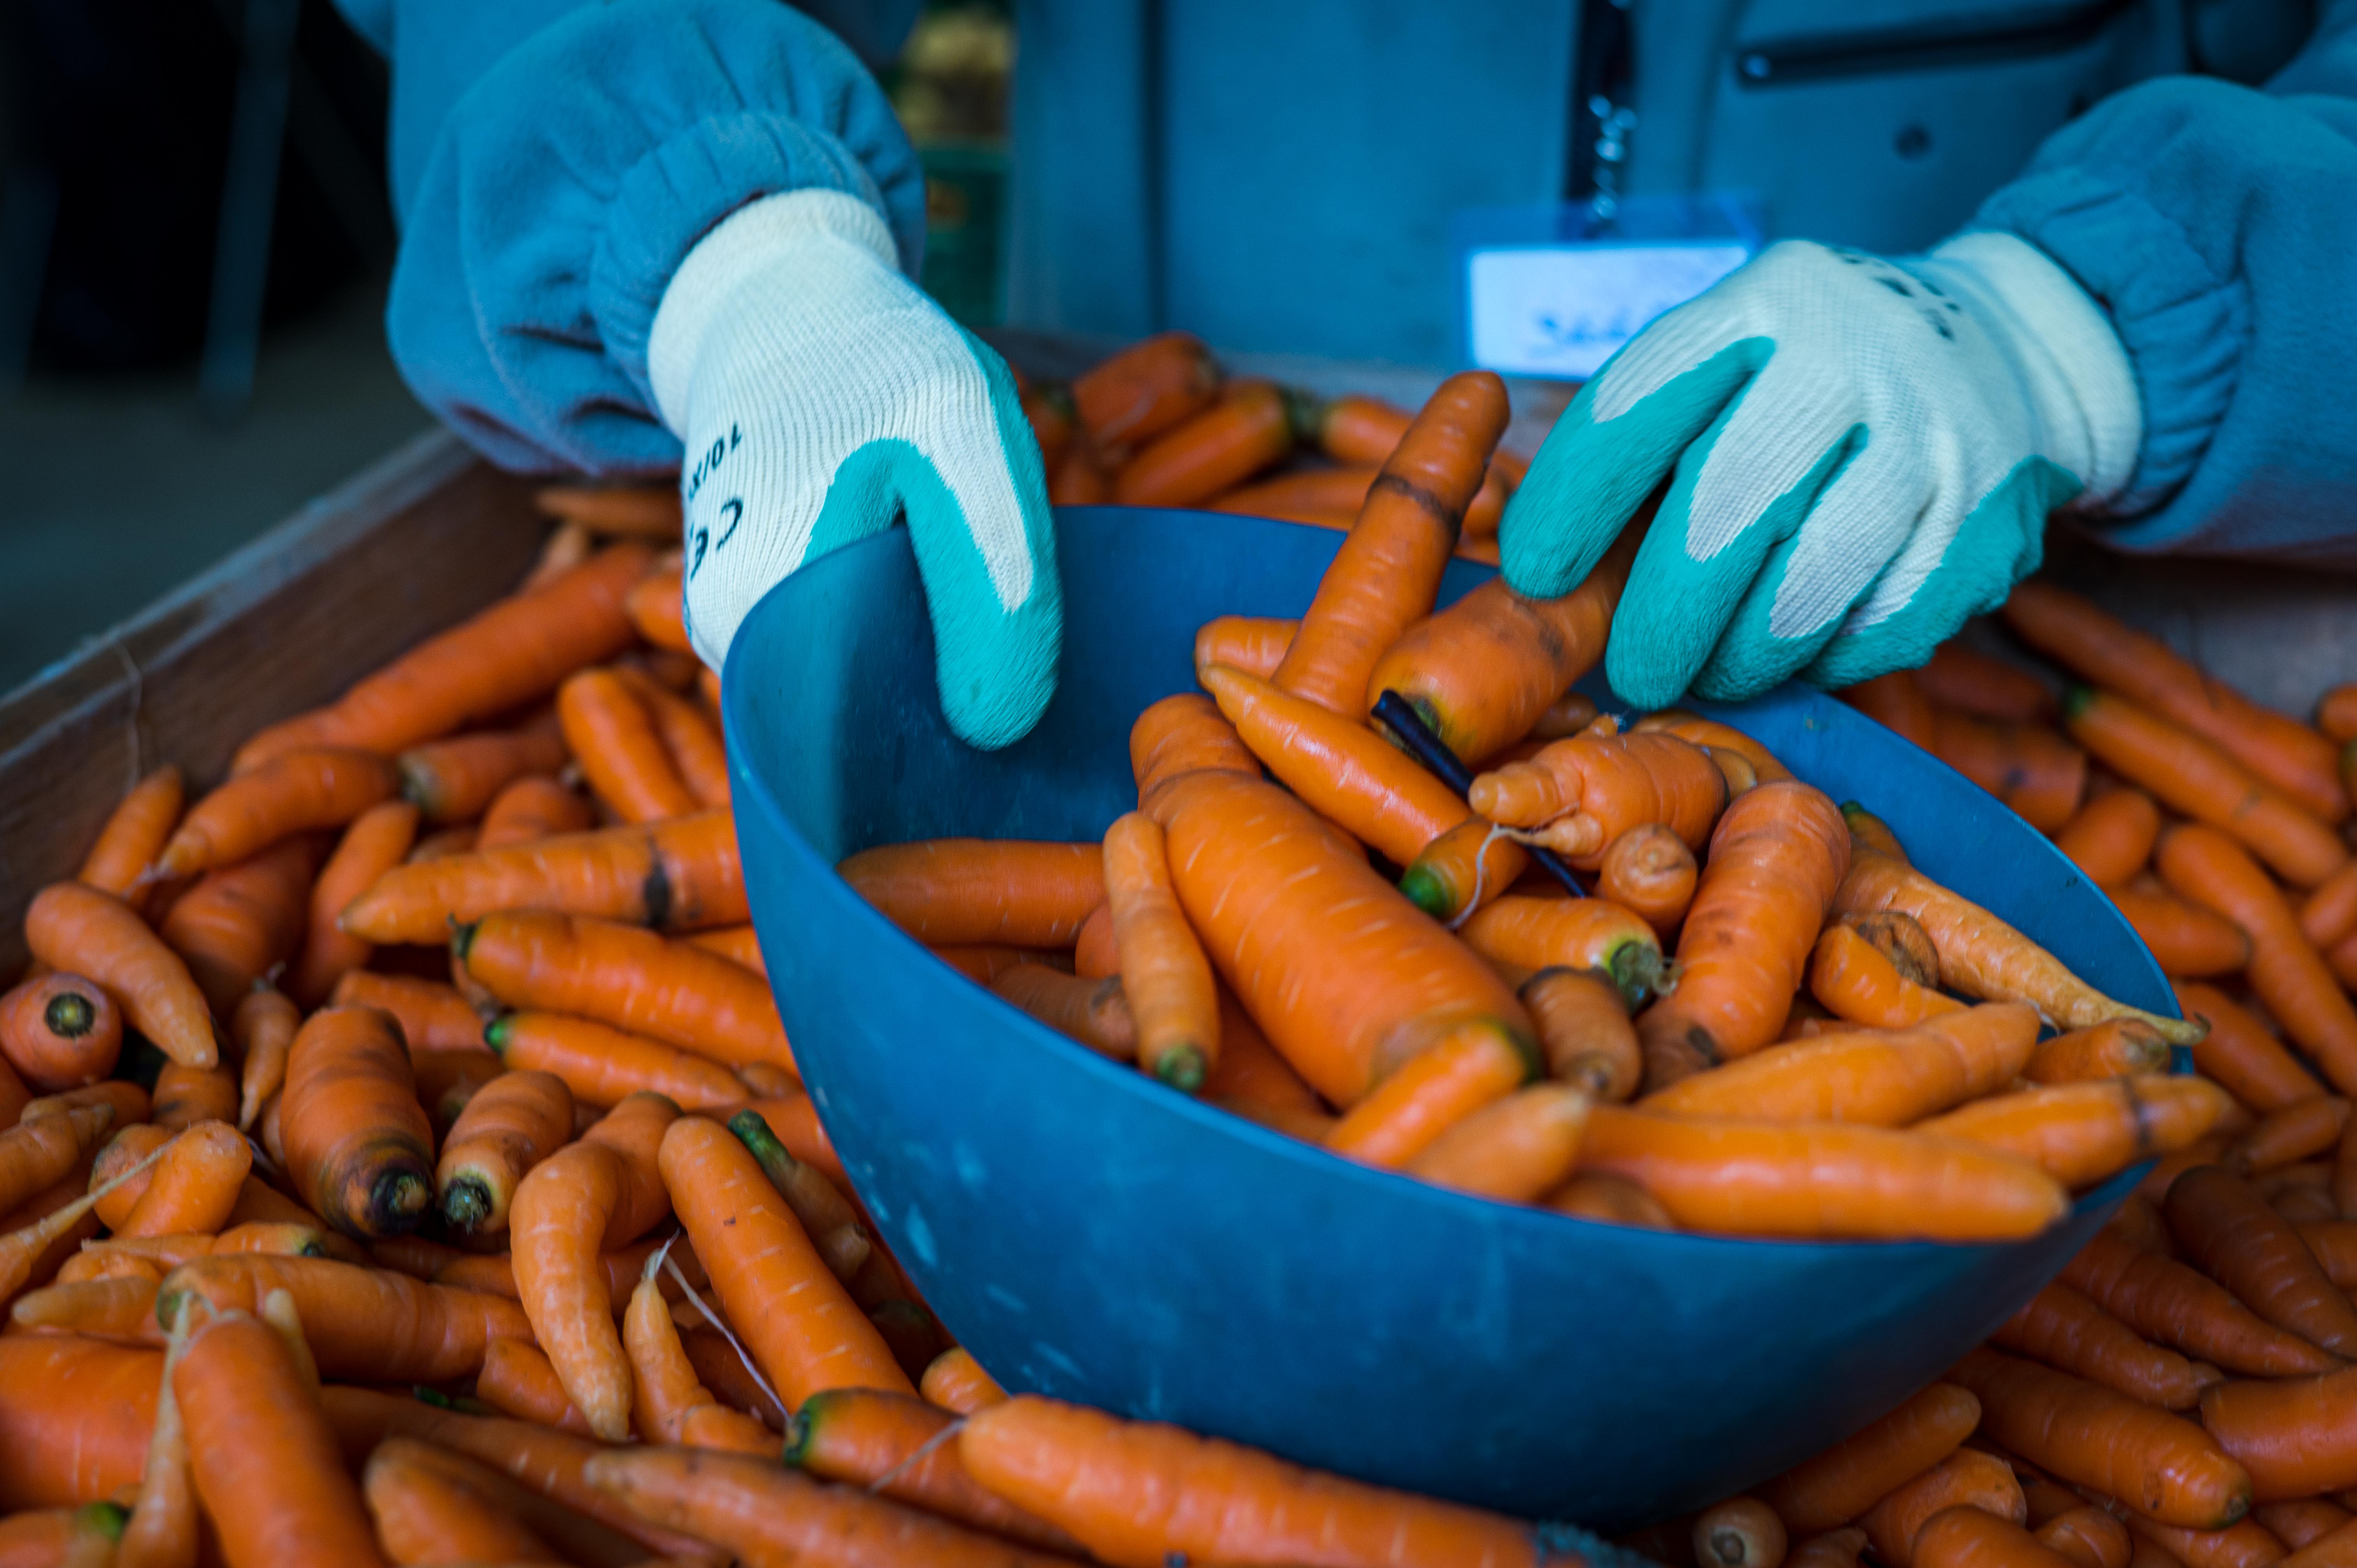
1577, 796
1776, 858
1748, 1178
533, 807
1250, 427
1181, 733
264, 1027
1650, 870
956, 891
1879, 1080
2113, 1050
1967, 1481
135, 834
2290, 1434
1253, 644
2203, 865
1482, 671
512, 1123
2288, 754
2029, 766
1857, 983
2166, 1302
1388, 569
195, 1186
1472, 1065
360, 1323
2230, 1234
1584, 1031
2081, 1134
83, 931
601, 1066
60, 1031
294, 792
2112, 836
2185, 939
1531, 934
359, 1146
2063, 1330
2243, 1053
378, 839
1145, 390
509, 654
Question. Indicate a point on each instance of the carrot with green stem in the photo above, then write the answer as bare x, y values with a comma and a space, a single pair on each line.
827, 1217
2113, 1050
1387, 572
297, 792
515, 651
2288, 755
81, 931
534, 807
361, 1323
2081, 1134
1531, 934
1577, 796
1150, 387
1877, 1079
1250, 427
1585, 1035
1980, 955
601, 1066
377, 840
1858, 984
1346, 977
904, 1449
515, 1122
1648, 869
794, 1119
629, 978
2203, 865
2243, 1053
1472, 862
2111, 837
359, 1146
60, 1031
2170, 1304
1482, 671
2287, 1136
2230, 1234
1844, 1481
591, 1196
2186, 940
1776, 858
2063, 1330
135, 834
955, 1383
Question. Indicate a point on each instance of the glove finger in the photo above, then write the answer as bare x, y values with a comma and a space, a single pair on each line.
1953, 567
1680, 600
976, 504
1861, 519
1613, 447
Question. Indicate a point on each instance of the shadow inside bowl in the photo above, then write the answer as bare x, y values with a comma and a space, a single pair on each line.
1091, 1235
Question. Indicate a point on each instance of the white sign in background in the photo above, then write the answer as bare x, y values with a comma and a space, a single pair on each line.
1562, 310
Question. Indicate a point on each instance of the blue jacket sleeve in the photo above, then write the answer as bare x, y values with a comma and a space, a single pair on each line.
554, 161
2216, 222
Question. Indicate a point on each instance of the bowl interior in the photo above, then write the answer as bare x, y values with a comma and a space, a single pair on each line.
1091, 1235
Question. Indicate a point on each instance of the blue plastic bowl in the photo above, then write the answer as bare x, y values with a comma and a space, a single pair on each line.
1091, 1235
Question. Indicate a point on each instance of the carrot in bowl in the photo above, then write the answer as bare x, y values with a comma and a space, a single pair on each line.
1650, 870
1577, 796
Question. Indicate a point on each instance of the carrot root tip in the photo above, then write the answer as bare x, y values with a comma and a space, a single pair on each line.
466, 1204
104, 1518
398, 1201
1639, 971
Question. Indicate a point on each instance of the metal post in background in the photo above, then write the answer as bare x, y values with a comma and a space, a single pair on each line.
249, 203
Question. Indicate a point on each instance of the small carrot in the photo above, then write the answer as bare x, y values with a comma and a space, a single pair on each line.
1577, 796
2203, 865
83, 931
1172, 997
2112, 836
1776, 858
361, 1323
1982, 955
1471, 862
79, 1415
1513, 1149
2288, 754
827, 1217
593, 1195
2230, 1234
514, 1123
1961, 677
654, 605
955, 1383
424, 1515
601, 1066
2185, 939
163, 1530
60, 1031
1740, 1533
2035, 771
1250, 1076
1584, 1031
1748, 1178
1094, 952
2287, 1136
1253, 644
2243, 1053
534, 807
358, 1144
456, 780
1877, 1079
241, 923
2087, 1537
794, 1119
1858, 984
1968, 1536
2112, 1049
950, 891
432, 1016
2063, 1330
2083, 1133
664, 1384
1093, 1012
2291, 1434
895, 1446
691, 740
1250, 427
1532, 934
1611, 1200
1649, 869
378, 840
627, 977
1482, 671
264, 1027
195, 1186
294, 792
1147, 388
2169, 1303
1385, 574
1896, 702
512, 653
801, 1326
609, 728
517, 1379
135, 834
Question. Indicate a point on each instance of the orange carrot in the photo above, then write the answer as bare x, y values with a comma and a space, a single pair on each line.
264, 1027
2087, 1537
1310, 495
2297, 1523
42, 1149
1858, 984
2288, 754
627, 977
648, 512
2203, 865
1457, 870
516, 1379
602, 1066
1582, 793
1167, 980
1959, 677
1982, 955
2081, 1134
133, 835
456, 780
608, 729
2230, 1234
1966, 1535
83, 931
1253, 644
1845, 1480
795, 1121
2029, 766
2194, 776
2287, 1136
1584, 1031
1749, 1177
1388, 569
1347, 978
533, 807
2243, 1053
2113, 1050
1482, 671
360, 1322
1355, 428
1532, 934
1079, 479
359, 1146
195, 1186
895, 1446
1877, 1079
60, 1031
1514, 1149
293, 793
2330, 912
956, 1382
433, 1017
2185, 939
240, 924
14, 1095
2062, 1328
2112, 836
1145, 390
664, 1384
514, 1123
2169, 1303
1898, 703
1093, 1012
1649, 869
1047, 406
802, 1328
954, 891
1432, 1091
425, 1515
1250, 427
654, 605
2290, 1434
1775, 860
378, 840
1094, 952
689, 739
1967, 1481
76, 1417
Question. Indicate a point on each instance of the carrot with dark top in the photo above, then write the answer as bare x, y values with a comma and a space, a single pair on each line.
2112, 1049
2029, 766
2243, 1053
1093, 1012
2169, 1303
533, 807
950, 891
2112, 836
135, 834
1650, 870
358, 1144
1740, 1533
2081, 1134
2230, 1234
602, 1066
1531, 934
1584, 1036
1460, 868
1249, 428
456, 780
378, 840
84, 931
2287, 1136
2063, 1330
1858, 984
1963, 678
514, 1123
1145, 390
827, 1217
60, 1031
2186, 939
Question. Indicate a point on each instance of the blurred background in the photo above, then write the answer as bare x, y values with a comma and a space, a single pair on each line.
195, 241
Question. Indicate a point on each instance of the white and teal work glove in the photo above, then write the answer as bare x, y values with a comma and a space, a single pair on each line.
1864, 450
820, 396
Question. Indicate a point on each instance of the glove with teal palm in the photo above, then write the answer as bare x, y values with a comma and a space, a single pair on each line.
820, 396
1862, 453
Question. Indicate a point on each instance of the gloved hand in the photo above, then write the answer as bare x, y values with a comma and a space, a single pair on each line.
819, 395
1864, 453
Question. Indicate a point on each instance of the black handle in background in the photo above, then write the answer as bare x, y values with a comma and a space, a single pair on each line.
1429, 748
